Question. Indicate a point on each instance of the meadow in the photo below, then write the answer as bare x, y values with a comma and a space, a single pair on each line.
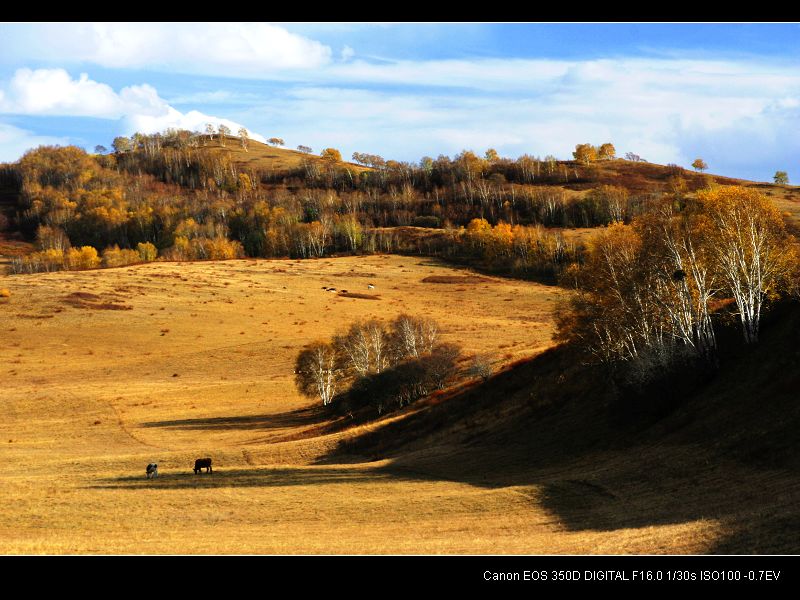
108, 370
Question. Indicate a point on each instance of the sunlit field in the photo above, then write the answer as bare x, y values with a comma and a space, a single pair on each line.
108, 370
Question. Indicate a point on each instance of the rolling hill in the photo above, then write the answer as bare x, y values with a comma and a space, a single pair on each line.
269, 158
713, 459
108, 370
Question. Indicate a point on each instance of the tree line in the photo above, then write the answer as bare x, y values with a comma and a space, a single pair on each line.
646, 293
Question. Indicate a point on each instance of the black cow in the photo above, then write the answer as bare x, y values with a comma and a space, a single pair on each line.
152, 470
203, 463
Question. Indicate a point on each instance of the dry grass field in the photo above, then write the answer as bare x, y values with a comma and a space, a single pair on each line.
105, 371
272, 158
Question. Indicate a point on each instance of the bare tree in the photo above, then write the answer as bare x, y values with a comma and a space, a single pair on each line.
481, 366
244, 137
748, 239
224, 131
317, 371
414, 336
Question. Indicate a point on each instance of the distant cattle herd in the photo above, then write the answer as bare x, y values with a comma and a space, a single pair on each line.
199, 465
333, 289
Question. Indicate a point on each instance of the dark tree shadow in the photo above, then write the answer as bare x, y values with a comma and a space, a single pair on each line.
297, 418
724, 451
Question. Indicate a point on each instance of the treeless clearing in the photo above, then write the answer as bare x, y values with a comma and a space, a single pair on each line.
271, 158
201, 365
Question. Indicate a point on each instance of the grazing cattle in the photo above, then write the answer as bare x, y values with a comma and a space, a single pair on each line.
371, 287
331, 289
152, 470
343, 292
203, 463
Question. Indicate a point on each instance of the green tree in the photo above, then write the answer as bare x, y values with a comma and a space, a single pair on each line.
699, 164
121, 144
781, 177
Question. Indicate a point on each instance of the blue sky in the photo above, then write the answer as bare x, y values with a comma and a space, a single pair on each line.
729, 93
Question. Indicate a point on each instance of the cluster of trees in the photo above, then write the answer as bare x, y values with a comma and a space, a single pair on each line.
78, 259
376, 365
517, 249
644, 294
192, 201
586, 153
392, 193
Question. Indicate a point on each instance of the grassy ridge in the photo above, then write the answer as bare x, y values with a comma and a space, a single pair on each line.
721, 452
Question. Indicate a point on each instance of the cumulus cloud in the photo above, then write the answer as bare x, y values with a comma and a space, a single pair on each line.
667, 110
54, 92
224, 49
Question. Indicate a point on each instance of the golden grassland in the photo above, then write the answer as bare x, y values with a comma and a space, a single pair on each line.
105, 371
201, 365
272, 158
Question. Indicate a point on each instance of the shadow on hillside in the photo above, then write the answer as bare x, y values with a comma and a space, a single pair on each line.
726, 454
256, 477
295, 418
753, 510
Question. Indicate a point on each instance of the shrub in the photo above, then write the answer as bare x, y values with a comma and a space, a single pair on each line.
116, 257
85, 257
481, 367
147, 251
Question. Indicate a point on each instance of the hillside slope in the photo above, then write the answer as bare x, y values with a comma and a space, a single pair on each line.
267, 158
723, 451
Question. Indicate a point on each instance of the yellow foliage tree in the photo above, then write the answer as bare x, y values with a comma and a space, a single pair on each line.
585, 153
147, 251
748, 238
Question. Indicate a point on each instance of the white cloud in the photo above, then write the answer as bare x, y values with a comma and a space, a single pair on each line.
53, 92
14, 142
224, 49
215, 97
665, 110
